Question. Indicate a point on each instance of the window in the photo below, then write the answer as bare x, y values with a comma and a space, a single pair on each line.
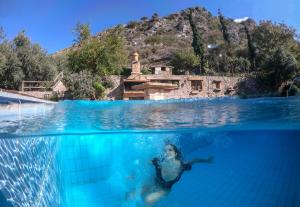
218, 85
152, 70
196, 85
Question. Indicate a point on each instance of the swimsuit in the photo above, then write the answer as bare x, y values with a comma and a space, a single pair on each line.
167, 185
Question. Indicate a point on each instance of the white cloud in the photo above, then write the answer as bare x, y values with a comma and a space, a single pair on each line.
239, 20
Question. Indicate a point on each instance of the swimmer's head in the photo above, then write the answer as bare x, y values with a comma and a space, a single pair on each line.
171, 151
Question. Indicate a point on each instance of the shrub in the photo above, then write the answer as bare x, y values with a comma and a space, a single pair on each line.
280, 67
80, 85
100, 56
184, 60
107, 83
22, 60
152, 40
132, 24
144, 18
99, 90
126, 72
155, 17
146, 71
290, 90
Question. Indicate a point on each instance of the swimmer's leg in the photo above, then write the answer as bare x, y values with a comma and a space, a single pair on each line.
152, 198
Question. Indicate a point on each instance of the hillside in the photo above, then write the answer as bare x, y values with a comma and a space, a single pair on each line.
157, 37
193, 41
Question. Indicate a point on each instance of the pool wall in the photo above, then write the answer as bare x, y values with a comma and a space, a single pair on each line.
29, 174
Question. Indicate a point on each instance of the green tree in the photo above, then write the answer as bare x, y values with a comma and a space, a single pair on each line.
82, 32
198, 42
132, 24
103, 55
295, 50
184, 61
268, 37
84, 85
240, 65
2, 34
35, 63
61, 62
279, 67
251, 47
144, 19
22, 60
155, 17
224, 27
11, 74
99, 90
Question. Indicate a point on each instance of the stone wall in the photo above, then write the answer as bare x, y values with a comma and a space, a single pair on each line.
208, 87
228, 86
38, 94
116, 92
59, 88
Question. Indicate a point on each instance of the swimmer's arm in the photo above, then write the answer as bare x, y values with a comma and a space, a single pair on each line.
155, 162
157, 166
201, 160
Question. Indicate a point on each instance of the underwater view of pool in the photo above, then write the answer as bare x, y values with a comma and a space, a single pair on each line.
99, 154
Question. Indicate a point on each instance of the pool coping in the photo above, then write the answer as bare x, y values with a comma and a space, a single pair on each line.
20, 98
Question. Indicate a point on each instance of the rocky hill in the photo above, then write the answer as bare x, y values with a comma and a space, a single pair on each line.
156, 38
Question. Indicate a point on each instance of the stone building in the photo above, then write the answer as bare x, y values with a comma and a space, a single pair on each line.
162, 84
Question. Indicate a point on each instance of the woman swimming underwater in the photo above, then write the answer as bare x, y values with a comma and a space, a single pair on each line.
169, 169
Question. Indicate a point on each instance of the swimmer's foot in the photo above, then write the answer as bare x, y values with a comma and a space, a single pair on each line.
152, 198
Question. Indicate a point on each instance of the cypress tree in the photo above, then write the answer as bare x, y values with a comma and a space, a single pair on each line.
224, 28
198, 42
251, 47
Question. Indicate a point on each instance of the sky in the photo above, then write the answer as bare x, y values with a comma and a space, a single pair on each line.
51, 22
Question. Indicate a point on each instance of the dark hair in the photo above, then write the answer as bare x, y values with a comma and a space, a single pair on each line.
177, 151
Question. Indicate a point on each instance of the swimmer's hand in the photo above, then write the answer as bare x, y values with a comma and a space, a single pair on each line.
210, 159
155, 161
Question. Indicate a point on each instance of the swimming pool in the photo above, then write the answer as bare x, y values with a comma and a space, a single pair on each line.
88, 153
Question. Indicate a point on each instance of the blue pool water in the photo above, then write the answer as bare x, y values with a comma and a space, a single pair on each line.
85, 153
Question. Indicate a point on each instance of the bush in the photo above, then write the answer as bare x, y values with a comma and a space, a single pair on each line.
107, 83
22, 60
144, 18
101, 56
99, 90
278, 68
290, 90
184, 60
146, 71
132, 25
152, 40
126, 72
155, 17
80, 85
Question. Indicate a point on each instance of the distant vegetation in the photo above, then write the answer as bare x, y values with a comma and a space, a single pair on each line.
193, 41
22, 60
92, 59
85, 65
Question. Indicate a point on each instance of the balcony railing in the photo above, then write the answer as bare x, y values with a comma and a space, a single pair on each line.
41, 85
